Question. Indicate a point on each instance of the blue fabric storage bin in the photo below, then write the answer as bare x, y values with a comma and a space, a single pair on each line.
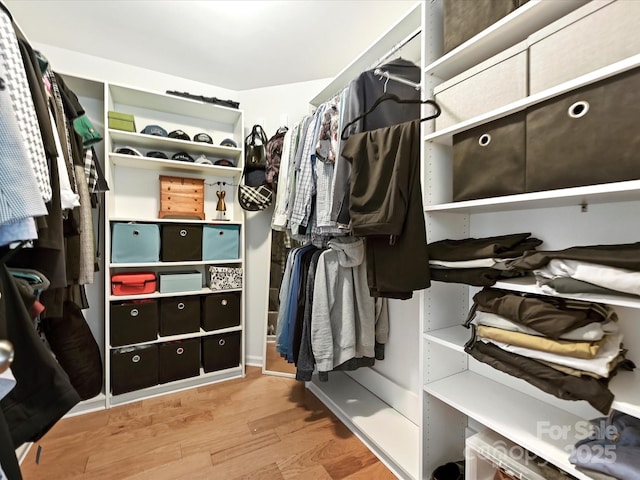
135, 242
221, 242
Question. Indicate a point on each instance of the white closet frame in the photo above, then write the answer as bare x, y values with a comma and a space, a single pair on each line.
459, 392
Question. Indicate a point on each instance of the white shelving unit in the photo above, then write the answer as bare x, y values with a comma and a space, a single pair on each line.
459, 392
135, 197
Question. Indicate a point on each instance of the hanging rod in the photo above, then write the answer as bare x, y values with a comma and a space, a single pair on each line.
397, 47
384, 73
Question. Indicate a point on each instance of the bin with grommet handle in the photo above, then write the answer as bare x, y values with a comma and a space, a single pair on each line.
220, 310
489, 160
134, 368
133, 322
181, 243
585, 137
135, 242
220, 352
178, 359
179, 315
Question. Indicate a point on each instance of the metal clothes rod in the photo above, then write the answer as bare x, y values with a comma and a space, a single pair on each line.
397, 47
383, 73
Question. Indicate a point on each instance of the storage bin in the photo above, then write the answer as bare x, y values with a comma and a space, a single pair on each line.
220, 310
489, 160
496, 82
180, 282
133, 322
122, 121
138, 283
224, 278
596, 35
178, 360
221, 242
134, 368
179, 315
221, 351
464, 19
135, 242
586, 136
487, 451
181, 243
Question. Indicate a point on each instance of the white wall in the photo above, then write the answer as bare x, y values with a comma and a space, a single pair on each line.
270, 107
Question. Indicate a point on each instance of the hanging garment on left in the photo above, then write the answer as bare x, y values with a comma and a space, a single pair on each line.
12, 71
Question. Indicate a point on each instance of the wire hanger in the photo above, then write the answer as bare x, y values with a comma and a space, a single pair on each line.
391, 96
387, 76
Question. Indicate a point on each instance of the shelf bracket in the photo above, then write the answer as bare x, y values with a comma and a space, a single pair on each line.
584, 207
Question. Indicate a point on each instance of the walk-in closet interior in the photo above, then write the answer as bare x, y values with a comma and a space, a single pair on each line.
437, 236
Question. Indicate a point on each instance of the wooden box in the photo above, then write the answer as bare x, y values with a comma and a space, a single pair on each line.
181, 197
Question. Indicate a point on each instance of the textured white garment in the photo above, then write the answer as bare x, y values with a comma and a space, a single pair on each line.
279, 219
13, 73
68, 198
589, 333
619, 279
599, 365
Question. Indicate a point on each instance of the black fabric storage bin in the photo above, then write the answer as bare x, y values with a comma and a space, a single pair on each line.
179, 315
220, 310
178, 360
464, 19
134, 368
587, 136
489, 160
221, 351
133, 322
181, 243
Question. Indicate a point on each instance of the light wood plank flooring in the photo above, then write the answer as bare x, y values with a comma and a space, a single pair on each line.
261, 427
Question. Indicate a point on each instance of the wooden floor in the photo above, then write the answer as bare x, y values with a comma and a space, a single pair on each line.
261, 427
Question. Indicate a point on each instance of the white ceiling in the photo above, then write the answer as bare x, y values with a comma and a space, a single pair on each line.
238, 45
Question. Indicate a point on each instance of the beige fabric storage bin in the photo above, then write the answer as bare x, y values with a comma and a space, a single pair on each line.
498, 81
594, 36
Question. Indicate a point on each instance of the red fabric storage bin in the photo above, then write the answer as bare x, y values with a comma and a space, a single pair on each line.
133, 283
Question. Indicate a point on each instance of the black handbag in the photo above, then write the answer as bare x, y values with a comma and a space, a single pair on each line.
255, 149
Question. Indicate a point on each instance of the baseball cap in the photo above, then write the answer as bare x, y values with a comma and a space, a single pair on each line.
156, 130
203, 160
155, 154
179, 134
182, 157
229, 142
223, 162
128, 151
202, 137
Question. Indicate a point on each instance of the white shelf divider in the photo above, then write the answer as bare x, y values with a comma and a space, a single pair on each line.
183, 336
393, 438
175, 264
451, 337
203, 291
134, 161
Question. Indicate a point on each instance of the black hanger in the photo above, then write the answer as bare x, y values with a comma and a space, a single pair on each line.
391, 96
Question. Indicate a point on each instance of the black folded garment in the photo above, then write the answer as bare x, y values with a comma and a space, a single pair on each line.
502, 246
478, 277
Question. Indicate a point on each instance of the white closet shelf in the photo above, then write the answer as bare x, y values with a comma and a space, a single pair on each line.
391, 436
134, 161
84, 87
178, 385
452, 337
590, 194
163, 102
526, 420
511, 29
175, 264
172, 220
445, 136
406, 27
528, 285
153, 142
183, 336
626, 389
203, 291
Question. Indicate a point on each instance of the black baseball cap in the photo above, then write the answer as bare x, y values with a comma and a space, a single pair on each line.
156, 130
155, 154
182, 157
229, 142
223, 162
180, 135
202, 137
128, 151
